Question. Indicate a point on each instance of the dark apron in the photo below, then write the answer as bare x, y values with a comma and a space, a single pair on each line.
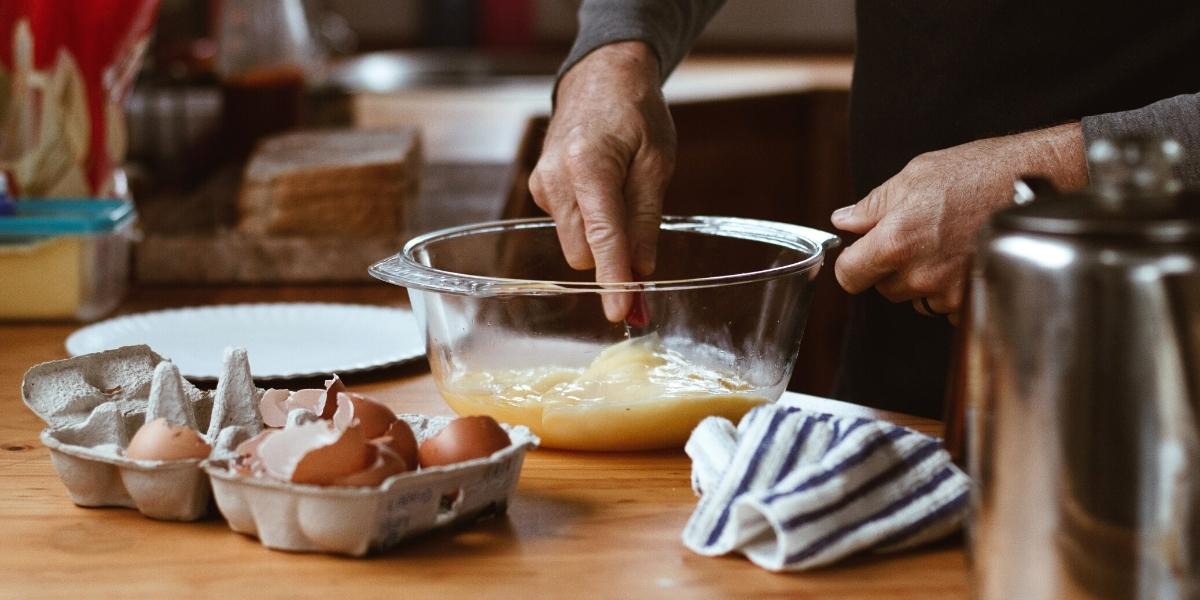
930, 74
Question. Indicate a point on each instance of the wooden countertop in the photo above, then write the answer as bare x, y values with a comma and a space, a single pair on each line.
484, 123
580, 524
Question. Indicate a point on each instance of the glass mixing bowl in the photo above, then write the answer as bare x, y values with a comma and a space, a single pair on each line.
513, 332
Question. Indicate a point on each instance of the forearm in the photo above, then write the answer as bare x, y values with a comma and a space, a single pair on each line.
629, 68
1055, 153
669, 27
1177, 118
919, 228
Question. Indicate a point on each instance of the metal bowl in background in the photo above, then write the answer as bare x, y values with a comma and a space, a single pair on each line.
391, 71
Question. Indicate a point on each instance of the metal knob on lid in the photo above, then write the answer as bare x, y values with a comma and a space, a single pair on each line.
1134, 169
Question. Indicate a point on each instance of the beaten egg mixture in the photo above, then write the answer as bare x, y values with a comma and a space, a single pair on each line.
636, 395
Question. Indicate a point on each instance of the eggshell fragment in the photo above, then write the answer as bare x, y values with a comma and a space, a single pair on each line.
316, 453
310, 400
276, 405
299, 416
387, 463
374, 417
273, 407
465, 438
358, 520
160, 440
169, 431
333, 387
401, 440
327, 464
247, 461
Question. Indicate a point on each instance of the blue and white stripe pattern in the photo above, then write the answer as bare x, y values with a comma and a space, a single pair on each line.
794, 489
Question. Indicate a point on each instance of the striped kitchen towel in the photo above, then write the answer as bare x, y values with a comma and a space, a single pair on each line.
794, 489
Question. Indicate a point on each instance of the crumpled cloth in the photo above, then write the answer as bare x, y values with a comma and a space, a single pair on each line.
793, 489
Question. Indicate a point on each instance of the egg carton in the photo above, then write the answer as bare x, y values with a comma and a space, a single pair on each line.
94, 403
356, 520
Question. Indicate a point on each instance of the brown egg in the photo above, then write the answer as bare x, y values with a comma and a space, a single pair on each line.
463, 439
315, 453
374, 417
400, 439
387, 463
161, 440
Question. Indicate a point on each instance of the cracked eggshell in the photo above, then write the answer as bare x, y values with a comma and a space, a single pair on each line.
312, 400
273, 407
246, 453
355, 520
317, 453
333, 387
387, 463
95, 403
170, 430
327, 453
401, 440
161, 440
276, 405
374, 417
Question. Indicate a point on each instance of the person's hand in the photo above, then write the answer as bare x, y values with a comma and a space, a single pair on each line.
919, 226
609, 153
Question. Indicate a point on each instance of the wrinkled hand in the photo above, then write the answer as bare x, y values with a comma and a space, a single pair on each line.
919, 227
609, 154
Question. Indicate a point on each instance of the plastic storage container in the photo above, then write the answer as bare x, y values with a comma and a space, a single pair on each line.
64, 259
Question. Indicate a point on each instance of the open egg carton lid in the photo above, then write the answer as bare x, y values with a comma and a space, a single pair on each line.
356, 520
94, 404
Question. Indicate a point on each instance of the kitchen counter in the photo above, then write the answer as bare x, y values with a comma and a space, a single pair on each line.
484, 123
595, 524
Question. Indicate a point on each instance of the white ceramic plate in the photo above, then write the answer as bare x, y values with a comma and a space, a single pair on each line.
283, 340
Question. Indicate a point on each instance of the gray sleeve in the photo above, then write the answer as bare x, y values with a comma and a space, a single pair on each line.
668, 26
1177, 118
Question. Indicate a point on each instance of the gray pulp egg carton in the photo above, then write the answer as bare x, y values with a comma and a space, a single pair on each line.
94, 403
355, 520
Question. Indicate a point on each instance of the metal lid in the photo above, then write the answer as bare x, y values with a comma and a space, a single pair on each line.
1134, 193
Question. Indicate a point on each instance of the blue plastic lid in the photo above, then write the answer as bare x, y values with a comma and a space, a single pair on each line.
39, 218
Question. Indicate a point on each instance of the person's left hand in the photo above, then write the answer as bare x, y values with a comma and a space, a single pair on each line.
919, 227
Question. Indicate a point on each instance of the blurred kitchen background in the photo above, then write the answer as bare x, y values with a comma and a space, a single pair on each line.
464, 86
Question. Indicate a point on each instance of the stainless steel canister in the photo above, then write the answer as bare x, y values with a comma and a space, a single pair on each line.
1083, 377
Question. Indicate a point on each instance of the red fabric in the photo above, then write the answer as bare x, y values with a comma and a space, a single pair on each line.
506, 23
100, 35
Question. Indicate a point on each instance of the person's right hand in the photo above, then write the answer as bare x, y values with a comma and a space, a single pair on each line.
609, 154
